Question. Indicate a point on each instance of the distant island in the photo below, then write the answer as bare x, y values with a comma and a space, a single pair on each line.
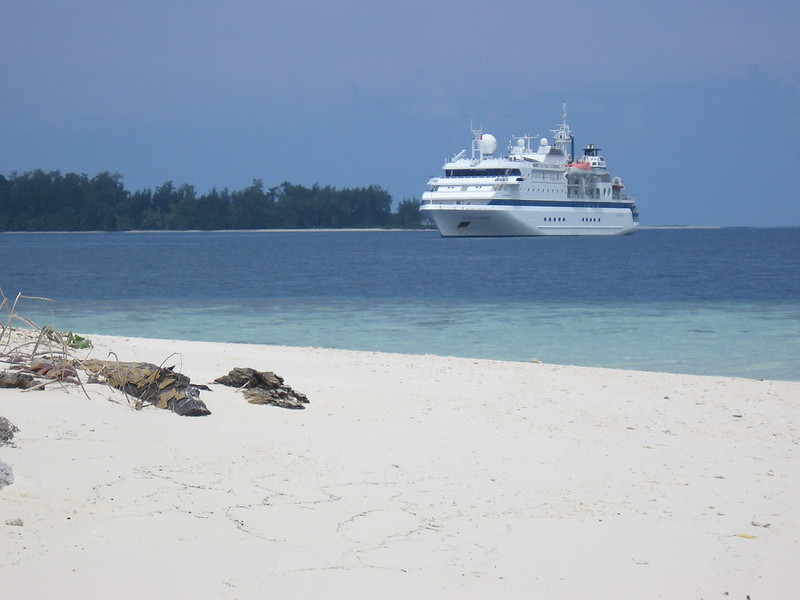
52, 201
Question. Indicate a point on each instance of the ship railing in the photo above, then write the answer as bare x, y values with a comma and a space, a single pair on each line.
472, 179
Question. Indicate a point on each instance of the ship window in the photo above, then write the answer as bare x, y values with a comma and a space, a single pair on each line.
482, 172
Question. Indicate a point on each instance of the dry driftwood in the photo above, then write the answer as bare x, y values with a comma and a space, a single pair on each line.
150, 384
263, 387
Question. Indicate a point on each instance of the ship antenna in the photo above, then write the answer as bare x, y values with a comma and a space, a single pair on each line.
475, 132
476, 136
566, 128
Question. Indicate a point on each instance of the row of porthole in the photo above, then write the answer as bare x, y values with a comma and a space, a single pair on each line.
562, 219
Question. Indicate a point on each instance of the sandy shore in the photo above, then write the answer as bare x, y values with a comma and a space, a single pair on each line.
405, 477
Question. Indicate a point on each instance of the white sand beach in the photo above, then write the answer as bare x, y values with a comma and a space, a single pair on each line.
405, 477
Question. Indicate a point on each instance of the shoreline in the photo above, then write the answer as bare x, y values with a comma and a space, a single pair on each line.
375, 229
535, 360
428, 355
406, 476
320, 230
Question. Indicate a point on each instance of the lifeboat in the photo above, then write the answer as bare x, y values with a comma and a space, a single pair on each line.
579, 168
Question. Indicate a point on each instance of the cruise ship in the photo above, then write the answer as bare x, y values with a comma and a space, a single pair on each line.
538, 188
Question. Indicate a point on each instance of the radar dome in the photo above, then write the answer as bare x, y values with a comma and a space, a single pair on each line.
487, 143
543, 142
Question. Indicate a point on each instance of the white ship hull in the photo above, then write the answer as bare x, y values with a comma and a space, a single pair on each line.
541, 190
456, 220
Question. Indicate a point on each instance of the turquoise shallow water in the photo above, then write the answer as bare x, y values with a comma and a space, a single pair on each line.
715, 302
740, 340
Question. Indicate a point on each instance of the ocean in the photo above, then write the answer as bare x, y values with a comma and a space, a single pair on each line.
702, 301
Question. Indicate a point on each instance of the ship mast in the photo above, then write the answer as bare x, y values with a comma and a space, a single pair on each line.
476, 139
564, 135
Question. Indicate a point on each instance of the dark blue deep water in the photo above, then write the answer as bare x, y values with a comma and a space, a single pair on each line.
706, 301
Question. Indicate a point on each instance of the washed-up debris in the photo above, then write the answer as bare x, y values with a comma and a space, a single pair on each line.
61, 369
7, 431
6, 477
263, 387
37, 373
10, 379
759, 524
67, 338
150, 384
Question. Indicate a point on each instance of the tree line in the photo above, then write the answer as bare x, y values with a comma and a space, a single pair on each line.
52, 201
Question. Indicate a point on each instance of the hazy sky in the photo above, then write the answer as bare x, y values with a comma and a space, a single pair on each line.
695, 104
